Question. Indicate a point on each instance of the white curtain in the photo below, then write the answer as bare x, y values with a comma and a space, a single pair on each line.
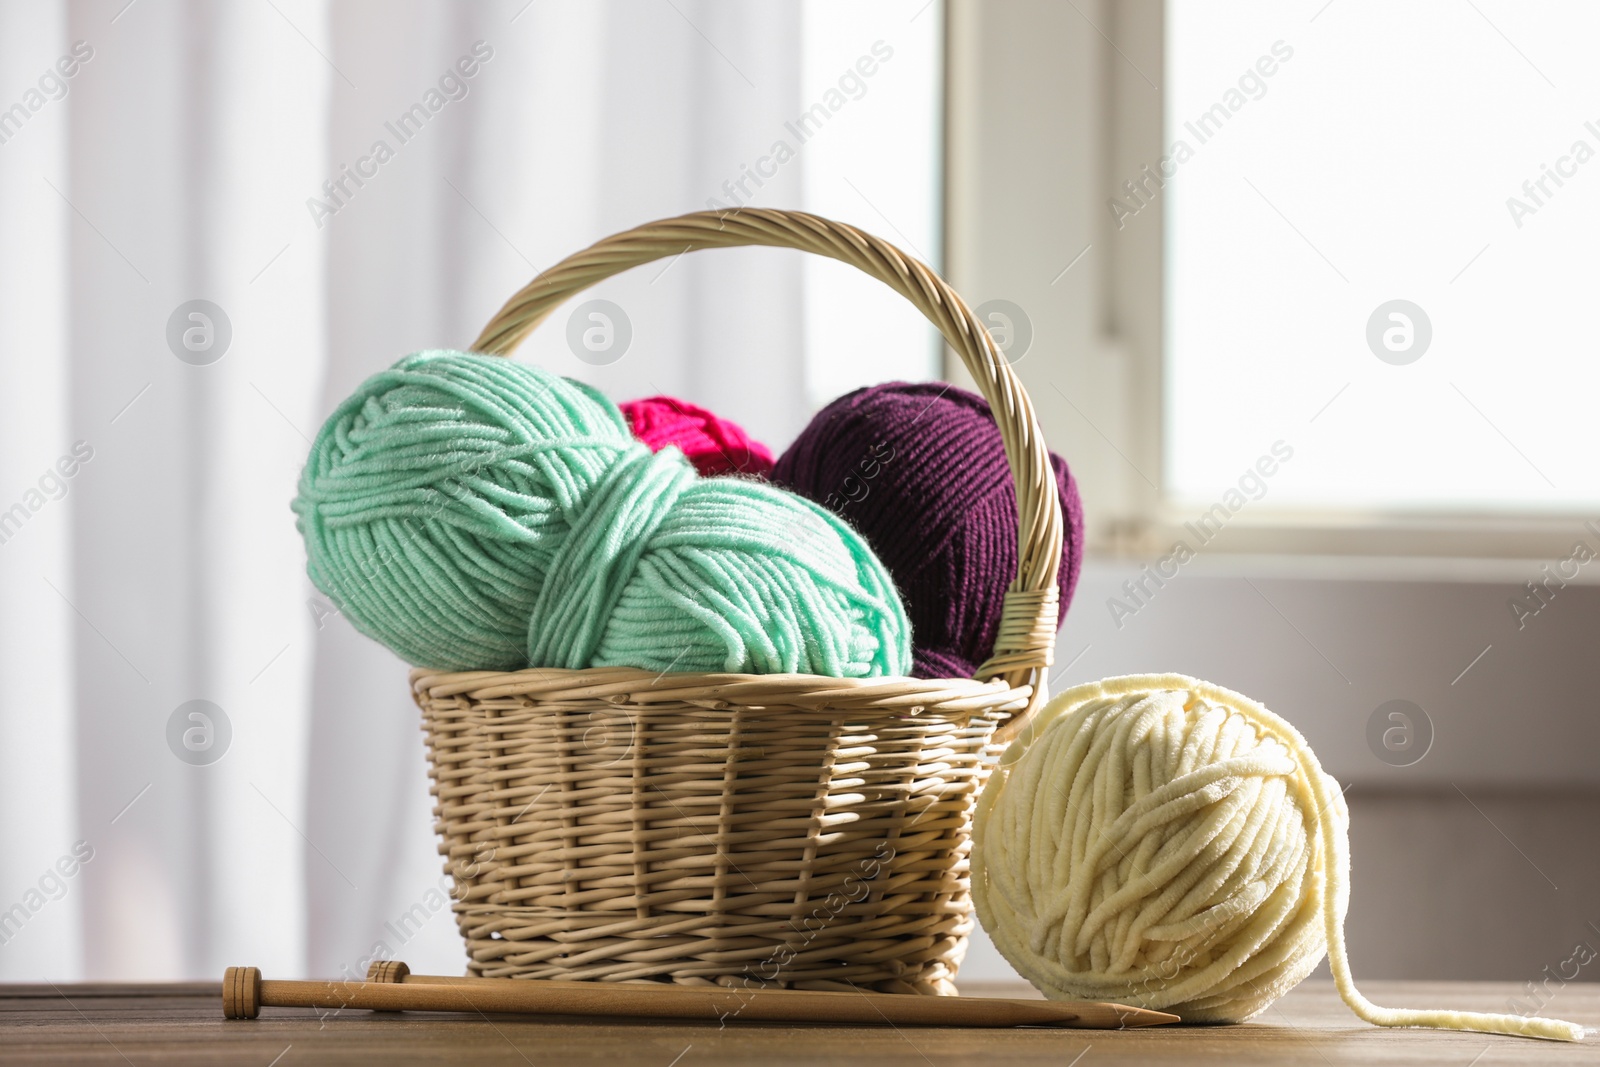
176, 166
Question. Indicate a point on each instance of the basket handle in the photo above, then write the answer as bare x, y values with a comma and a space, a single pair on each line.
1025, 645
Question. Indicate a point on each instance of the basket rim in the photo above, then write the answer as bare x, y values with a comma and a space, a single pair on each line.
887, 696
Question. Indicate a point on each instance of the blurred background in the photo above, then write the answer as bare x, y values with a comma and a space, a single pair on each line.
1300, 290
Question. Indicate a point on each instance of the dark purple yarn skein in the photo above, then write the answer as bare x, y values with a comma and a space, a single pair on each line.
919, 469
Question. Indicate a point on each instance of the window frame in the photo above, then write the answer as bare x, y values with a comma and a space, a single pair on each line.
1075, 91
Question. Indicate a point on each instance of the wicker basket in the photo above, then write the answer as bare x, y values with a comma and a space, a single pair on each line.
791, 830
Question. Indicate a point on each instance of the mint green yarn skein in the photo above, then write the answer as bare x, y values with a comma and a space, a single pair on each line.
471, 512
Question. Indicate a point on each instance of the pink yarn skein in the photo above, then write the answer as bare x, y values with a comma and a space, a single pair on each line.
714, 445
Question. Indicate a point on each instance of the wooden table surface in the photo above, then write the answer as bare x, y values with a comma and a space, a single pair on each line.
179, 1024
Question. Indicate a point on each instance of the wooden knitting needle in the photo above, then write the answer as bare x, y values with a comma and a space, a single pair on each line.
244, 994
781, 1005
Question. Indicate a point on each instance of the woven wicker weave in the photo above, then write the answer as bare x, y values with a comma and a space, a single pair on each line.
615, 824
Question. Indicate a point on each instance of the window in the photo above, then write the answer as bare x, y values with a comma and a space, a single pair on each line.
1379, 250
1347, 243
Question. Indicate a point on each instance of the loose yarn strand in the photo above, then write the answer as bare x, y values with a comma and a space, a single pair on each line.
1338, 960
1169, 843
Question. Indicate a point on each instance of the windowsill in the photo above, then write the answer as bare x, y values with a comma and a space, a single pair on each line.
1355, 568
1456, 548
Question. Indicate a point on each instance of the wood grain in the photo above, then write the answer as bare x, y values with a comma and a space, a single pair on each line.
181, 1024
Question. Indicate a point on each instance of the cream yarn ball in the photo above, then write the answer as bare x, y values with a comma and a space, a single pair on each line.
1160, 841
